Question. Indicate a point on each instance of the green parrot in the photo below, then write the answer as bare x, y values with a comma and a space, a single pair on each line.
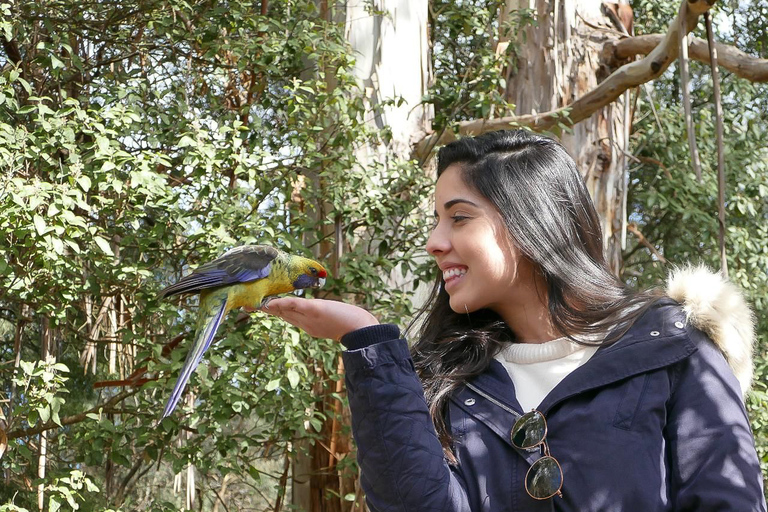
249, 275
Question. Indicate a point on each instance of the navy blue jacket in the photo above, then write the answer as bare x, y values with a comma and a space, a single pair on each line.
654, 422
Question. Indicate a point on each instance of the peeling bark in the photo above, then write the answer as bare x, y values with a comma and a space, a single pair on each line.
559, 63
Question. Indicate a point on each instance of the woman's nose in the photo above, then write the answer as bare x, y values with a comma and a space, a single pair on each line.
437, 243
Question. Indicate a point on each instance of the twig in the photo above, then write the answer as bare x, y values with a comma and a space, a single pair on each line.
283, 483
127, 479
649, 160
220, 500
75, 418
632, 228
720, 144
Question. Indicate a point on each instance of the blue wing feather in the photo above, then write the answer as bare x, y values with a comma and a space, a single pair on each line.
239, 265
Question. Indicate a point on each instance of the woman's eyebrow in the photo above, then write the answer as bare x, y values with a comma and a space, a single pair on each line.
456, 201
453, 202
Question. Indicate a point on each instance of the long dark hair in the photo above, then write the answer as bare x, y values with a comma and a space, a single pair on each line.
542, 198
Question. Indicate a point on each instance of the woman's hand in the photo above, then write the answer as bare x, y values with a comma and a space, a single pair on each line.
320, 318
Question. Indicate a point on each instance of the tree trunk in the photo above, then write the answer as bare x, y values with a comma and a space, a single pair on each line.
392, 62
559, 61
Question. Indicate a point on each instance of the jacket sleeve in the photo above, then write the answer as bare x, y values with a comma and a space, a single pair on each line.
714, 465
401, 460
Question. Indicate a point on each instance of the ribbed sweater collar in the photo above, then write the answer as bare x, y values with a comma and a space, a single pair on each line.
527, 353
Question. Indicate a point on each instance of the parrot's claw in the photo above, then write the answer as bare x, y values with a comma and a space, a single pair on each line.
265, 303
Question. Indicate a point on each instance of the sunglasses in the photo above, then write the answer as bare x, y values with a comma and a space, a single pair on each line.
545, 477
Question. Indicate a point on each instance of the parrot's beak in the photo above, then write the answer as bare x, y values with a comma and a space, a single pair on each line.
319, 284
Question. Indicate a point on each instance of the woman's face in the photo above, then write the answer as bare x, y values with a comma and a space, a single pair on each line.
471, 245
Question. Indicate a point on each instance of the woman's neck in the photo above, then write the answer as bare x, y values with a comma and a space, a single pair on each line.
531, 324
527, 311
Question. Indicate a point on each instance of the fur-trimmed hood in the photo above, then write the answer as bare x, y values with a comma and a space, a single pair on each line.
717, 307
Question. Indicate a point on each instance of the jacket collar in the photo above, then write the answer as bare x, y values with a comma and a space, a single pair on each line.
657, 339
718, 308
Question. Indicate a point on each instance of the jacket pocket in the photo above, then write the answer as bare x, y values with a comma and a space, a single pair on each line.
630, 402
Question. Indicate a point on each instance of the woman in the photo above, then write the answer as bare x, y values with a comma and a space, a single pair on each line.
538, 381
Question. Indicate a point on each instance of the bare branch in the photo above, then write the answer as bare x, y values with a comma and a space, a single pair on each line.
632, 228
75, 418
720, 144
729, 57
684, 86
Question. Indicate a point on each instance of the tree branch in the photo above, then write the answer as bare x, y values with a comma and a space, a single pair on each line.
684, 86
720, 144
729, 57
75, 418
627, 76
632, 228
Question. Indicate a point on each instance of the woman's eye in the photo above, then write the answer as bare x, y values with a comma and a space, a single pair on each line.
459, 218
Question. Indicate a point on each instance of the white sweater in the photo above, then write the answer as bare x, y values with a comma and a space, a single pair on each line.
536, 368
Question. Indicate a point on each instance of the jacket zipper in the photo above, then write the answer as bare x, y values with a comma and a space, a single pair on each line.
493, 400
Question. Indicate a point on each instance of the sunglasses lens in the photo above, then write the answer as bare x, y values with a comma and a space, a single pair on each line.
544, 479
529, 430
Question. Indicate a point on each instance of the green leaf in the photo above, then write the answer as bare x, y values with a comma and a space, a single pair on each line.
272, 385
44, 413
103, 245
54, 505
56, 63
102, 143
293, 377
27, 367
40, 226
58, 245
90, 486
187, 141
84, 182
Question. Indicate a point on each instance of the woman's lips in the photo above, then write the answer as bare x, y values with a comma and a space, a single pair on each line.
453, 276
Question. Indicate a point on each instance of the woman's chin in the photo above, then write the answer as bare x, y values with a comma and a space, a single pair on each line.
461, 306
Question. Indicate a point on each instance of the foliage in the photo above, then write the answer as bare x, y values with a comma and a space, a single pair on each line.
469, 63
137, 140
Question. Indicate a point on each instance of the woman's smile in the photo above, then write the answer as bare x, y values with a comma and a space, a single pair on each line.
452, 276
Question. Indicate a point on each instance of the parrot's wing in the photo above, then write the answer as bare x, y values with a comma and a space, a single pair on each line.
203, 338
238, 265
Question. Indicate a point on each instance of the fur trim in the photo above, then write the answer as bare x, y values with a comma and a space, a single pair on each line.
717, 307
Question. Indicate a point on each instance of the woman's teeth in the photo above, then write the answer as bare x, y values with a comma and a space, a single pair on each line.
453, 272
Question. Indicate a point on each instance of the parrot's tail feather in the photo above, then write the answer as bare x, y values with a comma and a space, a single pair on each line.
203, 339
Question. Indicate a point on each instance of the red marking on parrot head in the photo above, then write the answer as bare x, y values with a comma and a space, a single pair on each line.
322, 274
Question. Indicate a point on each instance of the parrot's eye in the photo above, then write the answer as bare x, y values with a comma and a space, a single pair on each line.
313, 271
